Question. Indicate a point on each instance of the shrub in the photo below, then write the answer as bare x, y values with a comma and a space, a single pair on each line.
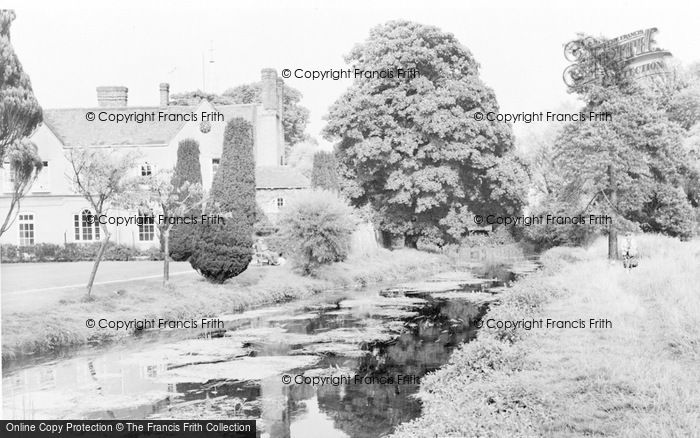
69, 252
224, 250
263, 226
187, 170
317, 230
119, 252
154, 254
8, 253
45, 252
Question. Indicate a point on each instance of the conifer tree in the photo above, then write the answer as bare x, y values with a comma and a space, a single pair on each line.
224, 248
187, 170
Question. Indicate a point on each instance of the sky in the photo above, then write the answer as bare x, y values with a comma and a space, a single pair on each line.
69, 48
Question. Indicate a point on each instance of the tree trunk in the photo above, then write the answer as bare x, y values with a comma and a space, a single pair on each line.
612, 231
410, 241
98, 259
166, 256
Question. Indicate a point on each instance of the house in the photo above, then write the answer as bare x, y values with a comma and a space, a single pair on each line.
53, 212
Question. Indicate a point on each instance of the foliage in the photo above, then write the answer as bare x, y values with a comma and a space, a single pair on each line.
24, 167
71, 252
20, 112
187, 170
638, 156
410, 146
294, 116
101, 177
224, 250
187, 166
640, 148
324, 174
263, 226
317, 230
191, 98
159, 196
301, 157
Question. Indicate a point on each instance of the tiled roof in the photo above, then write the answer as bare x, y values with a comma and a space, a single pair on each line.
73, 129
279, 178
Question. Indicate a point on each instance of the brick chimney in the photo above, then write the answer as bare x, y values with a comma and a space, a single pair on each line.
269, 88
280, 94
164, 94
113, 96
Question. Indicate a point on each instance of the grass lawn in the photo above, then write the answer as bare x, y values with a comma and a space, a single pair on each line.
640, 378
42, 329
20, 277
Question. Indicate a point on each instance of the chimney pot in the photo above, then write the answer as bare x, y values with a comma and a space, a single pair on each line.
164, 94
112, 96
269, 88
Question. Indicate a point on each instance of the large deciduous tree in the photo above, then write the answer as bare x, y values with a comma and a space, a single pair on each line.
20, 114
410, 145
632, 164
324, 173
224, 250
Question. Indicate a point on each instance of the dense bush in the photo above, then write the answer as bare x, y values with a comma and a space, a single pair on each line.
70, 252
263, 226
224, 250
187, 170
317, 230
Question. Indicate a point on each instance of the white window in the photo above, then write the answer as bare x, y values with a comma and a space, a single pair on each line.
26, 229
42, 181
146, 169
147, 228
86, 227
280, 202
214, 166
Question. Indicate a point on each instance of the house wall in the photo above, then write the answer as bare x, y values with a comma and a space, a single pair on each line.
53, 203
267, 200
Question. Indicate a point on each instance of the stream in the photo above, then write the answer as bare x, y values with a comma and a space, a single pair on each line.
366, 349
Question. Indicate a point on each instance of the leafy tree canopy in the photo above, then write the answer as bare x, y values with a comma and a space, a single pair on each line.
637, 154
20, 112
411, 147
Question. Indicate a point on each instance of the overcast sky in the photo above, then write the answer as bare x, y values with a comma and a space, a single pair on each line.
69, 48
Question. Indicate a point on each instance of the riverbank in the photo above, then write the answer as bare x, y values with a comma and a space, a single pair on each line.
635, 373
43, 330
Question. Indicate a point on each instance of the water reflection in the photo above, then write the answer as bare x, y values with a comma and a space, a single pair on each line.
378, 339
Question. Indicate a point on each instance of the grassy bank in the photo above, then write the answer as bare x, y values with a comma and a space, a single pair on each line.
639, 378
63, 325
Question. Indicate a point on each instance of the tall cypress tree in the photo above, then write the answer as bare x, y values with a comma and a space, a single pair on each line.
324, 174
187, 167
187, 170
224, 250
